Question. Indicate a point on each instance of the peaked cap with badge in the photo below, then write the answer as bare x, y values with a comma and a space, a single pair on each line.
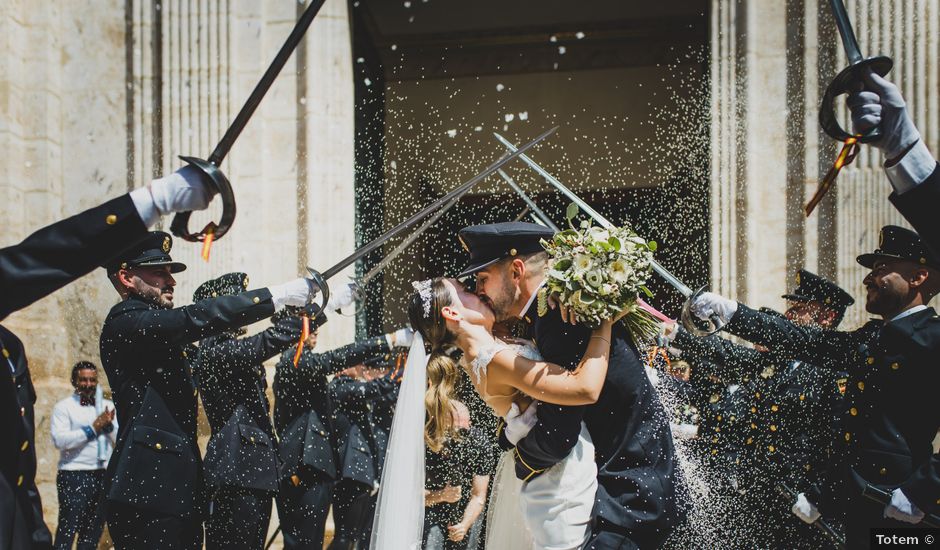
152, 251
898, 243
813, 288
492, 242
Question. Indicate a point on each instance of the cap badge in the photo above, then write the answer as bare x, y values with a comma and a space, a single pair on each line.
463, 244
512, 252
797, 279
881, 239
245, 282
166, 244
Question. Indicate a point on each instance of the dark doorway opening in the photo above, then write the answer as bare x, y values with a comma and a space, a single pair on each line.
626, 81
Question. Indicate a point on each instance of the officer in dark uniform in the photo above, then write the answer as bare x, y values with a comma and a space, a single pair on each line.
47, 260
787, 410
889, 421
155, 480
356, 399
913, 172
303, 415
241, 459
637, 470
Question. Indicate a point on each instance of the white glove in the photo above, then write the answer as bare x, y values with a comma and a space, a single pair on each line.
518, 424
402, 338
804, 509
881, 104
295, 293
902, 509
709, 303
186, 189
342, 297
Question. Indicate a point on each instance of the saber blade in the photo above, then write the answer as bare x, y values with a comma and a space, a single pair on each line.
546, 221
844, 24
659, 269
460, 190
270, 75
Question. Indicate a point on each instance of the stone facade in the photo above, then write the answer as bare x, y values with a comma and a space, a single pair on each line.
97, 98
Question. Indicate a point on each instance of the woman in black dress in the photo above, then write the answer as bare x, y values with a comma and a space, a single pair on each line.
458, 459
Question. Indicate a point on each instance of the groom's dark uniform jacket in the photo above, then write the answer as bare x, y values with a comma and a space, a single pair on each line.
636, 463
637, 470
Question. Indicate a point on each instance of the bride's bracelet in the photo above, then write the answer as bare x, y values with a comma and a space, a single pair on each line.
601, 337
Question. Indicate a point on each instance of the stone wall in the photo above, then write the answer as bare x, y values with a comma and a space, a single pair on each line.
97, 98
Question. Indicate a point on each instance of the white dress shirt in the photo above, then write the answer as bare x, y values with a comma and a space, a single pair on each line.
73, 435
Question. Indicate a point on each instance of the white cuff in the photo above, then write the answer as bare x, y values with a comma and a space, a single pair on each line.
143, 202
278, 295
913, 168
388, 340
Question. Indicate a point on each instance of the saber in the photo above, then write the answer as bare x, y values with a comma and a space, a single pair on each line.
210, 167
405, 243
884, 497
820, 523
359, 290
849, 79
319, 279
688, 320
543, 218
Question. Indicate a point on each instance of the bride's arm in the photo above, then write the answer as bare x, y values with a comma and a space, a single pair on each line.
551, 383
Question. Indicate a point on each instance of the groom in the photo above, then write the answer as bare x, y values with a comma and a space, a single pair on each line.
637, 472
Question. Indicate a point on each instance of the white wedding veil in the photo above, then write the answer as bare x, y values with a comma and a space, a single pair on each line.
399, 512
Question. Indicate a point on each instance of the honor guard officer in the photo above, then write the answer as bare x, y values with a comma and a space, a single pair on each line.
155, 494
636, 465
911, 169
368, 404
889, 421
788, 408
303, 418
241, 461
47, 260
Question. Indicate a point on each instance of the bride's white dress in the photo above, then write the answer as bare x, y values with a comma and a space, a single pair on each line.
551, 511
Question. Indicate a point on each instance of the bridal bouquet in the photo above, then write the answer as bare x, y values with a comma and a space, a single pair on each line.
599, 272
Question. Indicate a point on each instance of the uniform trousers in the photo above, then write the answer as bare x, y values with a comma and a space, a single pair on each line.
351, 501
134, 529
81, 494
302, 510
238, 519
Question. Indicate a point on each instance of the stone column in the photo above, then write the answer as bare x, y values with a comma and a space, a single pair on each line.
749, 123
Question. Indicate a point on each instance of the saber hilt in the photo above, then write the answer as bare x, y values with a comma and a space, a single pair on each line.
881, 496
210, 167
851, 79
820, 523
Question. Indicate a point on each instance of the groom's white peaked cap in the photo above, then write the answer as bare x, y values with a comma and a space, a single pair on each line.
490, 243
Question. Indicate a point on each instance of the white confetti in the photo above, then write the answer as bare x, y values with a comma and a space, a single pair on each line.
524, 115
500, 87
451, 133
509, 117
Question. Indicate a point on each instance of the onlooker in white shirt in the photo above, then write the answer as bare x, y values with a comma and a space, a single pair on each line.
77, 427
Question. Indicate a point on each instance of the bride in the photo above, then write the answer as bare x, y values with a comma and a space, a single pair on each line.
511, 378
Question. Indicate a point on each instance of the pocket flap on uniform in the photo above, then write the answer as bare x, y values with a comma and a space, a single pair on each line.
253, 436
157, 439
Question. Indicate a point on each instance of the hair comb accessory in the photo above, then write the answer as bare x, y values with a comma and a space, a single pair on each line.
423, 288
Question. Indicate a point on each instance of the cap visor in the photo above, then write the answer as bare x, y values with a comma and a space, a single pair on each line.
868, 260
476, 267
175, 267
798, 298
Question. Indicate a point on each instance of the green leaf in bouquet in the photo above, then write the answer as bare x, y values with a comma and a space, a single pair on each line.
652, 246
563, 264
646, 291
557, 274
572, 285
614, 243
572, 211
